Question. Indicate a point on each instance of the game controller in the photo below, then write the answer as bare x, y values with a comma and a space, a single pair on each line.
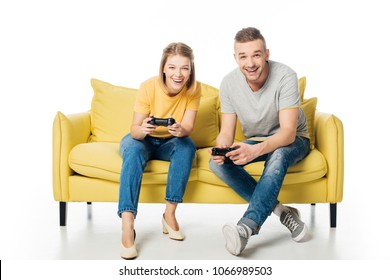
162, 121
222, 151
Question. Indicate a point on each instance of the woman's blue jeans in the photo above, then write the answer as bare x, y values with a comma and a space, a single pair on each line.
136, 153
262, 195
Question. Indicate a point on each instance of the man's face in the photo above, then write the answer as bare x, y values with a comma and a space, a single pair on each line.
252, 59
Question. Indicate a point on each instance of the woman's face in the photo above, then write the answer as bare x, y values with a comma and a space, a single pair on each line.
177, 71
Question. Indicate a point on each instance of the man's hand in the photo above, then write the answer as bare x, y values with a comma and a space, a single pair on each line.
218, 159
243, 154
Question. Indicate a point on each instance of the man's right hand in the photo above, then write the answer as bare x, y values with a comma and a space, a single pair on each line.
218, 159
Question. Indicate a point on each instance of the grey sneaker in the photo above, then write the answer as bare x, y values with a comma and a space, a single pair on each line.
292, 220
236, 237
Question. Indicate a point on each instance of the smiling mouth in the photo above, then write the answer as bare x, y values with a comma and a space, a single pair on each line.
177, 81
251, 70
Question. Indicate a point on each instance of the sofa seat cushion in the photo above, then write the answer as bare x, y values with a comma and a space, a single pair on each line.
311, 168
102, 160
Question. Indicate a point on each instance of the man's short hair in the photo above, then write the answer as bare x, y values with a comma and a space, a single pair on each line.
248, 34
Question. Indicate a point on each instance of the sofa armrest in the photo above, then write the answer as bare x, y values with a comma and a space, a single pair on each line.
329, 140
68, 131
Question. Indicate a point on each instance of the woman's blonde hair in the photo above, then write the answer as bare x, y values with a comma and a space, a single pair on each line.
182, 50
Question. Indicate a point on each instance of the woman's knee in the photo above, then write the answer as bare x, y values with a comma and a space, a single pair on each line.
185, 144
129, 146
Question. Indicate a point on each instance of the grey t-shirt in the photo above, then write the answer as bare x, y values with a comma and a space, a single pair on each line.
258, 112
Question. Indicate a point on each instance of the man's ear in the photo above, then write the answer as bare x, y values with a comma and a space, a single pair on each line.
267, 53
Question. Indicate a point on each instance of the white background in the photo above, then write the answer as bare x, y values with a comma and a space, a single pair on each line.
49, 51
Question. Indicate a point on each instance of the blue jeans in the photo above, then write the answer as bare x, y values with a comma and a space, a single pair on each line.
136, 153
262, 196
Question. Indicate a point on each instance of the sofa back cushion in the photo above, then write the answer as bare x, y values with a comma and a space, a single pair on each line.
111, 111
309, 108
112, 114
206, 128
302, 87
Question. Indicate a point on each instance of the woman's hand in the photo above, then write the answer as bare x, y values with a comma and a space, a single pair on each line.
176, 130
146, 127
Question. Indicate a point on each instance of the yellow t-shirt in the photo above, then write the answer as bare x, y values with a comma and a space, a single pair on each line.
152, 99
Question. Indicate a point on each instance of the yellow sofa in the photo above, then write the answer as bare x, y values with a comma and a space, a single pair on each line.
87, 163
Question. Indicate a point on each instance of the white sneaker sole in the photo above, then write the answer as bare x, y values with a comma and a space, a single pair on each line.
232, 239
301, 235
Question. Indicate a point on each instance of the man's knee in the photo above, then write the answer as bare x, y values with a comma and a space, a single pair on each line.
213, 166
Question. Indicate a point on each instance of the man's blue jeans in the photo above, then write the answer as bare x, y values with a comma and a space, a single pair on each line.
262, 196
136, 153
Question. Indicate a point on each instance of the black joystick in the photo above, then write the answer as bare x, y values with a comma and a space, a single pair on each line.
162, 121
222, 151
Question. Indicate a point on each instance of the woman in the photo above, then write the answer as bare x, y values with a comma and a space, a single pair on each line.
173, 94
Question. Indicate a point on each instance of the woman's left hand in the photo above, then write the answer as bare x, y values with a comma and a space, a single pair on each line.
175, 129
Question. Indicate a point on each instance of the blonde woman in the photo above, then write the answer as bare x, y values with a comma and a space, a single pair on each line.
173, 95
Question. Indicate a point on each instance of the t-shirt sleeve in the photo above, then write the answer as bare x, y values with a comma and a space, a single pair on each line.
226, 105
142, 101
289, 94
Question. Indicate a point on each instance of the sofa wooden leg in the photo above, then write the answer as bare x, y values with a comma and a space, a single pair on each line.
63, 212
333, 214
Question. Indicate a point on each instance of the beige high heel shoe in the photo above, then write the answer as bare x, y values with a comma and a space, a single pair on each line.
129, 253
173, 234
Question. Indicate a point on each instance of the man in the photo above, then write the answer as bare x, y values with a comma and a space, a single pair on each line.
264, 96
